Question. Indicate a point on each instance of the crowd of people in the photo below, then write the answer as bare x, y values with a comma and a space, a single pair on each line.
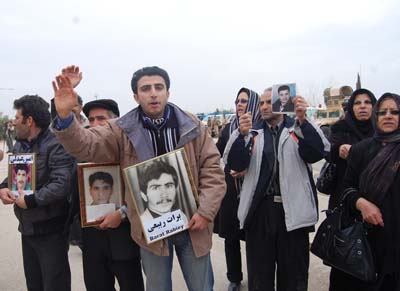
265, 195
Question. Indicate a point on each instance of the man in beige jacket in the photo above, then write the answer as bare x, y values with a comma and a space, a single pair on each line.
153, 128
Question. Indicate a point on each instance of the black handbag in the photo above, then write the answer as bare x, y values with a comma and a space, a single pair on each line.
345, 248
326, 180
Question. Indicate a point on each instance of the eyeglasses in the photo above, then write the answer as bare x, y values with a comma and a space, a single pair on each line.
384, 112
242, 101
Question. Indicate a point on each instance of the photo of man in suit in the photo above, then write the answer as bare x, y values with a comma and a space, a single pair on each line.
284, 103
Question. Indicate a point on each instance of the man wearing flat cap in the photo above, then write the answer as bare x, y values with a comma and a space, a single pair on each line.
99, 111
110, 250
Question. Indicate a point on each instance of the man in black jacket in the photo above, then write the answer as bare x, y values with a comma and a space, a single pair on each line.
43, 214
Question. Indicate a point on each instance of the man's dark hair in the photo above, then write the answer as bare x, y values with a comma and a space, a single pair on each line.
22, 167
36, 107
149, 71
154, 171
106, 177
283, 88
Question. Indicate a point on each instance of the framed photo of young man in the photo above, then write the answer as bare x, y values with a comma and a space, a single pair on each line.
282, 98
163, 193
21, 173
100, 190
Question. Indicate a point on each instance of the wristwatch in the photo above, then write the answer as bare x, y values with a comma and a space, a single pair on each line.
123, 211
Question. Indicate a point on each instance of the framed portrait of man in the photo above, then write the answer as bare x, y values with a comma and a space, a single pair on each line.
282, 98
21, 173
100, 191
163, 193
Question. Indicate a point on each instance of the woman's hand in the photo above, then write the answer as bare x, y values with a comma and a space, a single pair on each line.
344, 150
370, 212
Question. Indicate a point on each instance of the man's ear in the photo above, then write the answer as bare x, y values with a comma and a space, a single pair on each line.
135, 96
144, 196
29, 121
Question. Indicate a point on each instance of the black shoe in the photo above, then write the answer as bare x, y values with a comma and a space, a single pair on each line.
234, 286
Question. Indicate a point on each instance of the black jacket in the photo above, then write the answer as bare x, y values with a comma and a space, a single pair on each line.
48, 206
226, 223
341, 133
384, 241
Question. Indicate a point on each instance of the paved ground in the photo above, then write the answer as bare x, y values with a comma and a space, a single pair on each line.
12, 274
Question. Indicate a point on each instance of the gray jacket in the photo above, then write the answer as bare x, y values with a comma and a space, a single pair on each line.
296, 185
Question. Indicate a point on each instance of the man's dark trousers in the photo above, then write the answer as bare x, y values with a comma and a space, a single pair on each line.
46, 263
270, 247
109, 253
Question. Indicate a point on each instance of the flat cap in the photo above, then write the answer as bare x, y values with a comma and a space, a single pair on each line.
101, 103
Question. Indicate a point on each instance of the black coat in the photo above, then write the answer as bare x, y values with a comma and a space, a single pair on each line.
384, 241
48, 207
226, 223
341, 133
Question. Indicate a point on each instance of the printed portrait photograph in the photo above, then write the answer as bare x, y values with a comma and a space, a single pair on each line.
100, 190
282, 98
163, 193
21, 174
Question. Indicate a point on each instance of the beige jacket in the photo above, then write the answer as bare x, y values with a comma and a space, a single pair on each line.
124, 140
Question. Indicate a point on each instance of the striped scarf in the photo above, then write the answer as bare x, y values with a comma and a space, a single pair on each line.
163, 132
253, 106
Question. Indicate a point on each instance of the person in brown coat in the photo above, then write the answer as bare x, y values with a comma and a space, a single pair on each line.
153, 128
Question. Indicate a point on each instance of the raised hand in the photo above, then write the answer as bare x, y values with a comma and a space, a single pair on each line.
65, 97
300, 107
245, 123
72, 72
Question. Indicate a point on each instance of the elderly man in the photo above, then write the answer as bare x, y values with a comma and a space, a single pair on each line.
108, 252
153, 128
278, 200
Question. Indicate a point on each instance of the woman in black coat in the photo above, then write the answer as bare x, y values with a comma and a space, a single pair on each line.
356, 126
373, 179
227, 223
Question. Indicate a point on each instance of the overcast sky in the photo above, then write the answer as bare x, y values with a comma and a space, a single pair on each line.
210, 48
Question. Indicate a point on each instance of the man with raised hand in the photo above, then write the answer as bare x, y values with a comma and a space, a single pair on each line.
153, 128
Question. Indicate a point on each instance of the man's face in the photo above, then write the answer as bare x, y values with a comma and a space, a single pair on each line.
101, 192
152, 95
21, 178
98, 116
22, 129
161, 194
266, 106
284, 95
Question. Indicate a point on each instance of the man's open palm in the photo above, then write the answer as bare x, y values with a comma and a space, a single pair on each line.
65, 97
72, 72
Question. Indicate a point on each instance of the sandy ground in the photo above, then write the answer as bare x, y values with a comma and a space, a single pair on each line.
12, 274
